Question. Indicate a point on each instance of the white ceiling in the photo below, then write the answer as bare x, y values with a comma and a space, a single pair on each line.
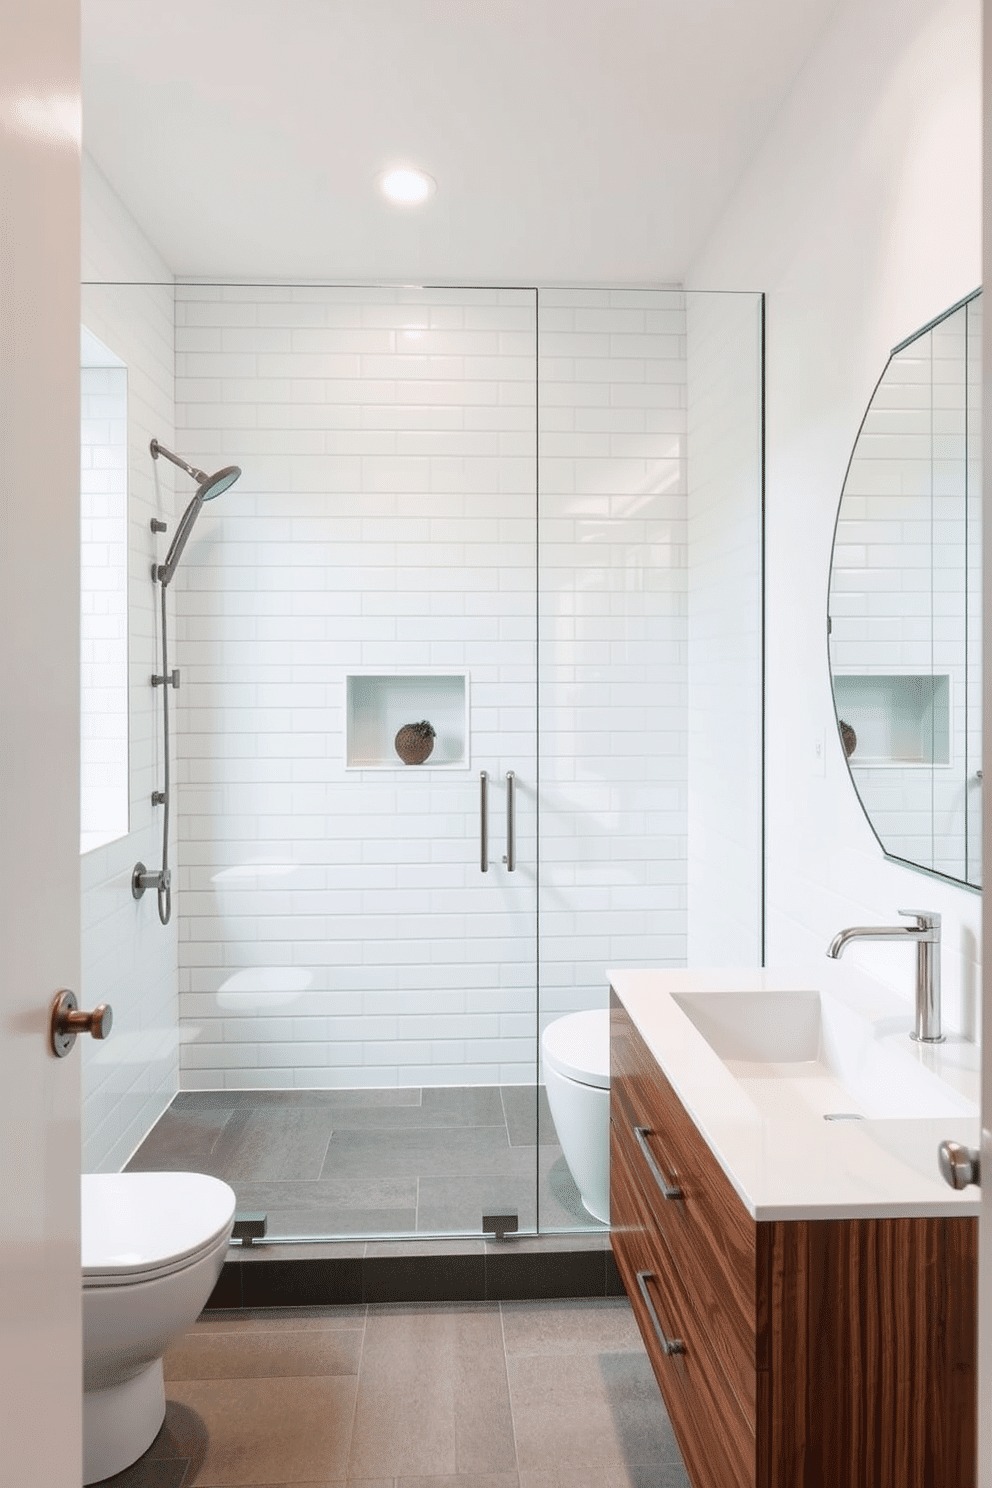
573, 141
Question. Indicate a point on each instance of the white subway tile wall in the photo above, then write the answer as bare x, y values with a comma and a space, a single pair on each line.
128, 958
908, 534
384, 524
612, 648
725, 630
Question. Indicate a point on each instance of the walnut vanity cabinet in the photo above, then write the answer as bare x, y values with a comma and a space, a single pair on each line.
790, 1354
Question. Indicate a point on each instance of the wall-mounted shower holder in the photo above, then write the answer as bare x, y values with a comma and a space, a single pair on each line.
172, 678
142, 879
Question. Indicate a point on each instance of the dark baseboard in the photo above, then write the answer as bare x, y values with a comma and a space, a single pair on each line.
445, 1271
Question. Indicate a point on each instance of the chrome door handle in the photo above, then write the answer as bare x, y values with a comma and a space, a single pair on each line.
65, 1022
510, 856
959, 1166
484, 822
668, 1345
669, 1190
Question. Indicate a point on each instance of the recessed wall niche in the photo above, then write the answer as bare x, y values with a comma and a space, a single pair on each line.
377, 706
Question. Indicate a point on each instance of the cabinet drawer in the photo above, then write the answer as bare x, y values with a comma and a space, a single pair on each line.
716, 1440
707, 1230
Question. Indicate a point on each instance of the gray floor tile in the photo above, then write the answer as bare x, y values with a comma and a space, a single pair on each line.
379, 1143
519, 1103
270, 1430
351, 1192
280, 1319
665, 1475
461, 1105
446, 1204
444, 1153
149, 1473
561, 1202
566, 1477
294, 1224
588, 1325
584, 1411
658, 1475
438, 1375
280, 1143
265, 1353
460, 1480
179, 1140
183, 1437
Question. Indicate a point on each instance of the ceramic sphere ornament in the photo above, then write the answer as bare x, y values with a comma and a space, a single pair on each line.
414, 742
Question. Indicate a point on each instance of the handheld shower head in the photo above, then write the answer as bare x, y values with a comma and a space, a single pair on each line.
208, 486
217, 484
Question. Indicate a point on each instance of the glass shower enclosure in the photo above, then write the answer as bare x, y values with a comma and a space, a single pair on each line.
470, 714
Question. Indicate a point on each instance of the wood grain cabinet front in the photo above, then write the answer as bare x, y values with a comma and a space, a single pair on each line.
811, 1353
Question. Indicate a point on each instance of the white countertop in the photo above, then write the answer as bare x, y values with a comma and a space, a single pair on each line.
798, 1165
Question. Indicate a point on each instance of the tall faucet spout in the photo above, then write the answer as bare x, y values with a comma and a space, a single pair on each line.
870, 932
926, 936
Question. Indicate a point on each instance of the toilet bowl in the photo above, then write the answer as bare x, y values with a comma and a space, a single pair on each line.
153, 1245
576, 1052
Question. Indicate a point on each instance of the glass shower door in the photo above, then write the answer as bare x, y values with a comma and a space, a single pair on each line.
372, 572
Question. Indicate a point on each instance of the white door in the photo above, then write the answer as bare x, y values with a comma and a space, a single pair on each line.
985, 1222
40, 1395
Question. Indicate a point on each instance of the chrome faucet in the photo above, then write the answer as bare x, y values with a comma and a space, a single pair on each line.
926, 934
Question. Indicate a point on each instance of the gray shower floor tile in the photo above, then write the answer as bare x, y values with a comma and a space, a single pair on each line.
374, 1162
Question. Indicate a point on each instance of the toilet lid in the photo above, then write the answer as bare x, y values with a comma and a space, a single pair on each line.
139, 1225
578, 1047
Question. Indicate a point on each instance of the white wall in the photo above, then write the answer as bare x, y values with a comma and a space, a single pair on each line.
129, 959
860, 218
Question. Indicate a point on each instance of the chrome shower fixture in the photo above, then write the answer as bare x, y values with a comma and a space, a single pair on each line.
208, 486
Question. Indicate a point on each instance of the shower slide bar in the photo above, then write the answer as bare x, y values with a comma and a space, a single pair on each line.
207, 487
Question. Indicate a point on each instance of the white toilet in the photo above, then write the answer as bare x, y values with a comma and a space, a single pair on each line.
153, 1245
576, 1052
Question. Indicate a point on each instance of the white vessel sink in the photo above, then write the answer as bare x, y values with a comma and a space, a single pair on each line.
802, 1053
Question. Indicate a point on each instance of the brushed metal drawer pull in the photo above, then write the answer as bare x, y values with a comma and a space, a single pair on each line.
670, 1190
668, 1345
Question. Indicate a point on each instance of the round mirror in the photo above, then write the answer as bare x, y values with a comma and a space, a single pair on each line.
904, 621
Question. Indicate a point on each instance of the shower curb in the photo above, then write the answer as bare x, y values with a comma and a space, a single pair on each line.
329, 1275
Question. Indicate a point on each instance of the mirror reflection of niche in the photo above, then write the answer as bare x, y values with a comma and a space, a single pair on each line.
905, 601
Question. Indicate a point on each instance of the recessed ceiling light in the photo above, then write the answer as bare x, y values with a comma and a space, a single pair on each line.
407, 188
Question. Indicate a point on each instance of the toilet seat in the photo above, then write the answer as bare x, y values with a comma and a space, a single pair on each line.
578, 1047
139, 1227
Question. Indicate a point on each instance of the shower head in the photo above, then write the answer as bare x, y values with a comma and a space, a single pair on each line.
215, 485
208, 486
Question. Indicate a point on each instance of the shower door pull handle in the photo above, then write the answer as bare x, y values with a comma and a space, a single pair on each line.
511, 824
484, 821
